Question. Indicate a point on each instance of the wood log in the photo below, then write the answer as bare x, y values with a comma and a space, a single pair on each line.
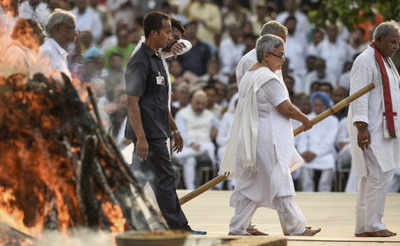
337, 107
56, 155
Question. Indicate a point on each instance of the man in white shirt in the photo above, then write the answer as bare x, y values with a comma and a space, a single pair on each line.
231, 50
303, 24
374, 128
34, 9
196, 124
335, 52
60, 29
249, 59
296, 50
87, 19
317, 146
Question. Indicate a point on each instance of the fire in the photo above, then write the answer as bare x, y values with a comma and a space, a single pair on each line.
115, 215
51, 176
11, 215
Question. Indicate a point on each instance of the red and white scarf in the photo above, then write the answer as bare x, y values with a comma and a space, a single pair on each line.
389, 114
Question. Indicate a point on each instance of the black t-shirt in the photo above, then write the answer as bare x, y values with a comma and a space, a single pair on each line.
146, 78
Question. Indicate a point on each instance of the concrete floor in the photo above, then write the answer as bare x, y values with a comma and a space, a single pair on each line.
333, 212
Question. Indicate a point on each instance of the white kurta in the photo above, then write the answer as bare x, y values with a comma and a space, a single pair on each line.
370, 108
245, 62
89, 21
262, 148
53, 57
229, 55
41, 13
335, 55
321, 141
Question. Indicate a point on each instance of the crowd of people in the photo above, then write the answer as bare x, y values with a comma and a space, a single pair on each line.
39, 34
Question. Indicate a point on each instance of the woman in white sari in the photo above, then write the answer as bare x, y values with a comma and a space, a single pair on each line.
262, 146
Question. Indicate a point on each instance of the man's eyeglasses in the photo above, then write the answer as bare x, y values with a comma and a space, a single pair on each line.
278, 56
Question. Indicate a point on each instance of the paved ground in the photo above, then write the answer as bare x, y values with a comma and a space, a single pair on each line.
333, 212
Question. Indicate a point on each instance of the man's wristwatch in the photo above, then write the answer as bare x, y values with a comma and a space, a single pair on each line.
174, 132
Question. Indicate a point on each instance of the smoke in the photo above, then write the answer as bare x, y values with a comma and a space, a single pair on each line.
79, 237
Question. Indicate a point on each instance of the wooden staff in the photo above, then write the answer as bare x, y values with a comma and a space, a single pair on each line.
335, 108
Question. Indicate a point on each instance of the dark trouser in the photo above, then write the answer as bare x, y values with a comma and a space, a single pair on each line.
163, 183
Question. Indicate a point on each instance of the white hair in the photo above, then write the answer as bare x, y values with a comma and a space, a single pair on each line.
273, 27
57, 17
266, 44
385, 28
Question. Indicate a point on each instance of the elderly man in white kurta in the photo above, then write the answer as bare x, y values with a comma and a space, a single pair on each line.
317, 146
53, 53
250, 58
262, 148
374, 128
196, 124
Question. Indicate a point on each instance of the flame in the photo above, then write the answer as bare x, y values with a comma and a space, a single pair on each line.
115, 215
37, 174
11, 215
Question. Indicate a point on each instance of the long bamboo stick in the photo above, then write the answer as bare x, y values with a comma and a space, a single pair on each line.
335, 108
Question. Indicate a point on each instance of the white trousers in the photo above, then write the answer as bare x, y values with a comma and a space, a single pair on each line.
352, 182
290, 216
371, 196
325, 181
188, 161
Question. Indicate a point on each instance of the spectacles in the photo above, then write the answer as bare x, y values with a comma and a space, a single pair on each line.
278, 56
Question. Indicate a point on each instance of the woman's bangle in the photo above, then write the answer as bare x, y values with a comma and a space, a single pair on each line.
174, 132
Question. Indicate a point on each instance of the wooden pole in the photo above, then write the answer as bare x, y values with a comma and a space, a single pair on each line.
335, 108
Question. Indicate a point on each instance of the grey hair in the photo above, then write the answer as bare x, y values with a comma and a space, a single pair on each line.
385, 28
57, 17
266, 44
273, 27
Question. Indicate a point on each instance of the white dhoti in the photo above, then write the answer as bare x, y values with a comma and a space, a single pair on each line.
291, 218
371, 196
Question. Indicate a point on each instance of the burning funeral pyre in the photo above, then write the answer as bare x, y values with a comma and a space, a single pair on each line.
59, 170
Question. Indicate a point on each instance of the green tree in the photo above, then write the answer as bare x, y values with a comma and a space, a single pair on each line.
349, 11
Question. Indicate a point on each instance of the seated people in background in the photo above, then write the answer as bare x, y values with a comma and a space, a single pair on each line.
212, 104
338, 94
34, 9
197, 126
181, 94
344, 154
214, 72
317, 146
319, 74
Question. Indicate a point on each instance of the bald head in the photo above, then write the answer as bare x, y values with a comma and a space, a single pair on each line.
199, 101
